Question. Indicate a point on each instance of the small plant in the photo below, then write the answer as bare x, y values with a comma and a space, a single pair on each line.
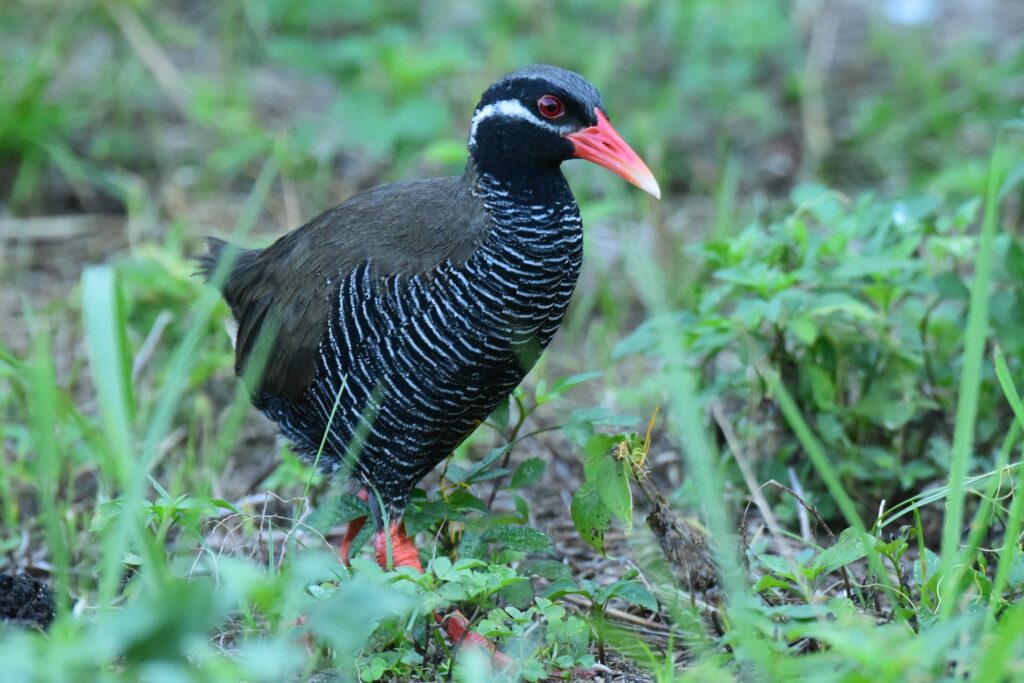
858, 306
626, 589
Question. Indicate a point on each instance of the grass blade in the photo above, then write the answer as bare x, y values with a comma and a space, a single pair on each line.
970, 381
1008, 553
110, 362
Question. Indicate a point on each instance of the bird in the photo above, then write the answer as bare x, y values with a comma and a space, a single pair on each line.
382, 332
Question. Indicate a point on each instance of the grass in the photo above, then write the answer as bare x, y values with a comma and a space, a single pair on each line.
835, 278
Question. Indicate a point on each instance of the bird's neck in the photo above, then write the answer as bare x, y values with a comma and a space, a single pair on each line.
527, 178
534, 206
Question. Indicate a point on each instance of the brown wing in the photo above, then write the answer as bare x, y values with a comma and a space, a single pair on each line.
282, 291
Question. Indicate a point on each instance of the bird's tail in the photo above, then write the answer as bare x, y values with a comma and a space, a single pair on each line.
237, 272
238, 265
215, 248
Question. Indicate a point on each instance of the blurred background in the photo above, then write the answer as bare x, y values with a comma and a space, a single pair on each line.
823, 165
129, 130
129, 108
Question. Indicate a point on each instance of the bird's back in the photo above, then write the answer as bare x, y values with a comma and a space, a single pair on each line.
282, 292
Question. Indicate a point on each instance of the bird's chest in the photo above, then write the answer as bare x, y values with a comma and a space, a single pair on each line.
533, 273
479, 321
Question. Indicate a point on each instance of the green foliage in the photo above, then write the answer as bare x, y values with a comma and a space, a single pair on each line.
859, 306
838, 337
608, 467
90, 86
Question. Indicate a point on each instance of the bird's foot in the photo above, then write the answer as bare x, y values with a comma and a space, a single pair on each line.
405, 554
456, 625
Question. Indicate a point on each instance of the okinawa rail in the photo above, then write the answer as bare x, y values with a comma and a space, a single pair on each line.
383, 331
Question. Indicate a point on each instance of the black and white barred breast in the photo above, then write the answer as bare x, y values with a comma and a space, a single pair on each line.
410, 364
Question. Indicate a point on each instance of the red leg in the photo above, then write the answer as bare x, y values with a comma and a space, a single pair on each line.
405, 554
456, 625
352, 530
403, 550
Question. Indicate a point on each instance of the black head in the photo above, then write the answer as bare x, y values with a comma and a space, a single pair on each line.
535, 118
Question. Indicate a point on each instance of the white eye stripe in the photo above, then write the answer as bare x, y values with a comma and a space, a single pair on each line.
511, 109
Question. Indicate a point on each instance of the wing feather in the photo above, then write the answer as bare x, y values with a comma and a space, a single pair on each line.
284, 293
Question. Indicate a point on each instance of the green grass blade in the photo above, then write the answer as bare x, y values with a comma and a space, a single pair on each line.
686, 419
938, 493
995, 659
110, 362
970, 381
816, 453
1008, 553
131, 524
43, 399
1007, 385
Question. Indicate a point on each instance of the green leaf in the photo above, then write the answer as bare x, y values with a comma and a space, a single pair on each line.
519, 594
482, 470
645, 338
564, 384
462, 500
768, 581
776, 565
528, 473
613, 489
847, 548
533, 671
590, 516
455, 592
442, 566
561, 588
552, 570
632, 592
609, 475
522, 508
833, 303
521, 538
499, 418
107, 344
581, 423
823, 390
803, 329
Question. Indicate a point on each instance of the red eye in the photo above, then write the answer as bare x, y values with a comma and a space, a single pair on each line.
550, 107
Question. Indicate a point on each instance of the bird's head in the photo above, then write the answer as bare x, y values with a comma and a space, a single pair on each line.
540, 116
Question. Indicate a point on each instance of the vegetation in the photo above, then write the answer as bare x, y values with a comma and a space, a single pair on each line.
812, 348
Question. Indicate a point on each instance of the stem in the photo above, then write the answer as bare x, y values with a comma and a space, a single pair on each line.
510, 442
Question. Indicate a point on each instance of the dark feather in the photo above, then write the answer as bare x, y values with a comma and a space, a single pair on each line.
403, 228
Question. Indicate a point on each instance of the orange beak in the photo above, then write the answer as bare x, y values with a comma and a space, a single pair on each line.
602, 145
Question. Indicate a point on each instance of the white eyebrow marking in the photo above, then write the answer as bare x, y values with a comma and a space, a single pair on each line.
512, 109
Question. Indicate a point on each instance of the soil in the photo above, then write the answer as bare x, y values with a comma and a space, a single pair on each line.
25, 602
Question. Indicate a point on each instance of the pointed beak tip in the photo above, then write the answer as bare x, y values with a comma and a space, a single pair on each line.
650, 186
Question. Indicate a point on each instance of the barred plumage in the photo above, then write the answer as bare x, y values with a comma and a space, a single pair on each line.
412, 310
419, 360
